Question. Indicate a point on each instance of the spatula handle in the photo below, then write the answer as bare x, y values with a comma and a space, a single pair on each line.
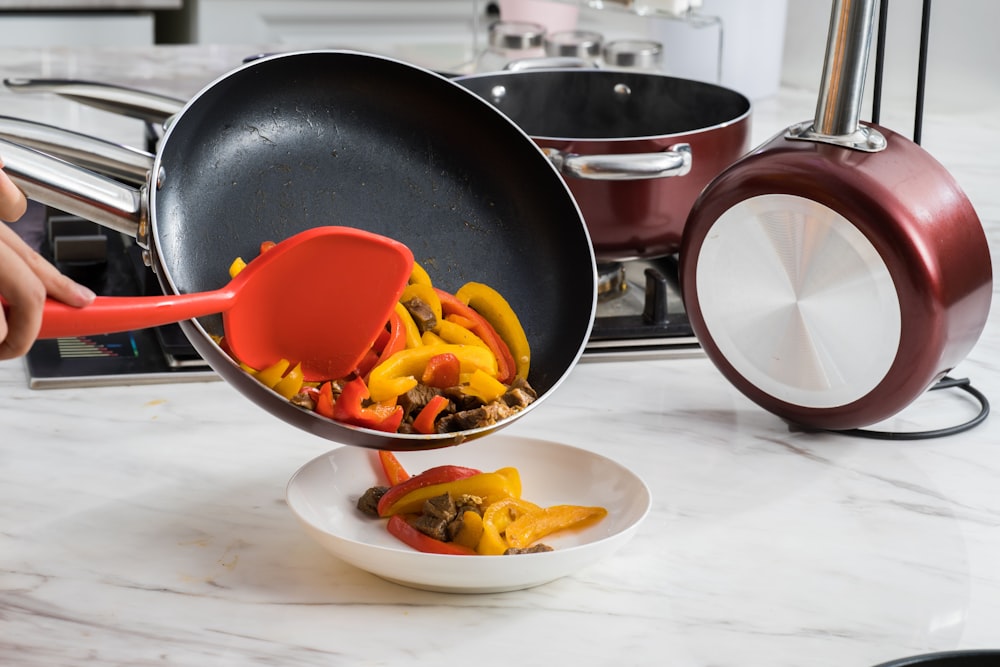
109, 314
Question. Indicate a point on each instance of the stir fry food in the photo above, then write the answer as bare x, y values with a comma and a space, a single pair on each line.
462, 511
444, 363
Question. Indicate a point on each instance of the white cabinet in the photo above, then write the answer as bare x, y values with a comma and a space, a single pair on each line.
393, 27
55, 29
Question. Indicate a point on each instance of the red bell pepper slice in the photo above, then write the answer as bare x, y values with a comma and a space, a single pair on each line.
424, 421
394, 471
442, 371
410, 536
349, 409
437, 475
394, 341
397, 337
506, 369
324, 400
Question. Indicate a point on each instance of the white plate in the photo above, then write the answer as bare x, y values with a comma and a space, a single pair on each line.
324, 492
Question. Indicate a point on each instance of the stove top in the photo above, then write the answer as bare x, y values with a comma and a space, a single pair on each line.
640, 313
110, 264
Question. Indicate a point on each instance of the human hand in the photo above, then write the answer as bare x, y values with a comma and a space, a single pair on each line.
26, 278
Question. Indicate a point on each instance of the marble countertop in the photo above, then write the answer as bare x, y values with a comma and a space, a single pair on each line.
147, 525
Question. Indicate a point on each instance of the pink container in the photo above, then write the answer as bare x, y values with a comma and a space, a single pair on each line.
555, 16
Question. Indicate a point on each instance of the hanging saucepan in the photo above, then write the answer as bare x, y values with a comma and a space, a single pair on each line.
315, 138
838, 271
636, 148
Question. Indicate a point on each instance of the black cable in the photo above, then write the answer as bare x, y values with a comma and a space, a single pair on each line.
943, 383
883, 12
925, 28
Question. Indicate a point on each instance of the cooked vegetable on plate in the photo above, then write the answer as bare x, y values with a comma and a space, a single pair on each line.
462, 511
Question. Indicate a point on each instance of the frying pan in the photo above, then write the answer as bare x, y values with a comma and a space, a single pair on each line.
837, 271
312, 138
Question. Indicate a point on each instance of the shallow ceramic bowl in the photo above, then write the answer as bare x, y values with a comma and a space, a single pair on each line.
324, 492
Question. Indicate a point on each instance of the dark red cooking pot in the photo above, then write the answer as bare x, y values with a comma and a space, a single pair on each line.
635, 148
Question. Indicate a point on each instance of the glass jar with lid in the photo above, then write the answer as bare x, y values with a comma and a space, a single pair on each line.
582, 44
510, 41
636, 54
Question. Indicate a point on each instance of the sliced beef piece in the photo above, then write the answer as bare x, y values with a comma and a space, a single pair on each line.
525, 386
516, 397
421, 314
437, 513
303, 400
433, 526
486, 415
441, 506
415, 399
462, 401
368, 502
533, 549
468, 503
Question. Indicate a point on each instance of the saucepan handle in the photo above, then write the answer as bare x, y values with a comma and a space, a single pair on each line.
105, 157
146, 106
75, 190
675, 161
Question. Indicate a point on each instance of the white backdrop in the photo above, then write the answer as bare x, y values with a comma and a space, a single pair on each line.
963, 55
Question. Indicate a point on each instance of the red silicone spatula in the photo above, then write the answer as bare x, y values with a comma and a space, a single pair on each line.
268, 314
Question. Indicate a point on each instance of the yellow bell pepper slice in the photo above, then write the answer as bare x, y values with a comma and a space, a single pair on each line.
237, 266
491, 305
431, 338
485, 388
527, 529
272, 374
398, 374
291, 383
471, 530
496, 519
450, 332
418, 275
425, 292
409, 326
489, 486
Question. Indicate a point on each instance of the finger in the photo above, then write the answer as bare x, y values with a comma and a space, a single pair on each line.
12, 201
25, 296
56, 285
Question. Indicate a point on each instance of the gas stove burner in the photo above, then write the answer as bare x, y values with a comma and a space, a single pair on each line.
611, 280
640, 313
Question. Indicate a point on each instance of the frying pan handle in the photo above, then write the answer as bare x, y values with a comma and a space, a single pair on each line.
675, 161
75, 190
104, 157
149, 107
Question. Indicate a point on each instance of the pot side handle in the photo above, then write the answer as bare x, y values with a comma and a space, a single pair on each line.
675, 161
75, 190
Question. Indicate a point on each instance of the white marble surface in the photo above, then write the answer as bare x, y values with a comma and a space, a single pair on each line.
146, 525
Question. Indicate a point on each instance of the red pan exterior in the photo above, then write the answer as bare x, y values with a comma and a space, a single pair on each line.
646, 217
920, 222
